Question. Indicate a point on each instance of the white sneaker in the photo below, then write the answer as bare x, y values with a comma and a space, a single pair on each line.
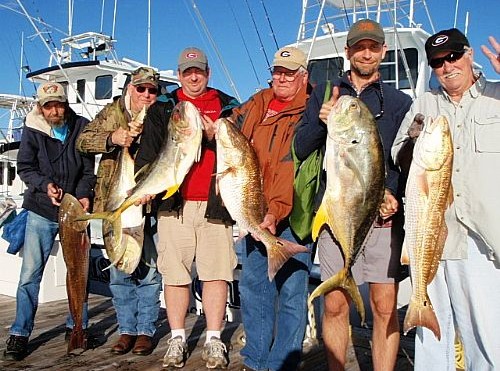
176, 353
215, 354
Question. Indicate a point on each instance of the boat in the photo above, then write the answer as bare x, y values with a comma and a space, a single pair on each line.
87, 65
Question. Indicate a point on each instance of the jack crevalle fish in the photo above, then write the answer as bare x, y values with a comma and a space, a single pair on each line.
240, 185
123, 238
355, 173
179, 151
75, 245
428, 194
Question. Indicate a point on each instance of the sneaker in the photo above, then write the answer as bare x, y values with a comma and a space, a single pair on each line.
17, 347
176, 353
215, 353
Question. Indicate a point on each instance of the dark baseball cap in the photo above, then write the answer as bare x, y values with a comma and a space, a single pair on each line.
451, 40
365, 29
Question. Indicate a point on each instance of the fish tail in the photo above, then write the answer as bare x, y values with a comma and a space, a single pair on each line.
279, 253
77, 341
171, 191
420, 313
343, 279
352, 289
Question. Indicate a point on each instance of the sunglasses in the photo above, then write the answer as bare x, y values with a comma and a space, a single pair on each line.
450, 58
141, 89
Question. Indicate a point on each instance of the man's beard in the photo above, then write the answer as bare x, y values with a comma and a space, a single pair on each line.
57, 124
365, 71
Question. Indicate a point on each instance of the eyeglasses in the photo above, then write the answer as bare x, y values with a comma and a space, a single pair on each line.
289, 76
450, 58
141, 89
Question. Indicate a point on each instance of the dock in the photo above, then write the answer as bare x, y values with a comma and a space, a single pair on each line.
47, 348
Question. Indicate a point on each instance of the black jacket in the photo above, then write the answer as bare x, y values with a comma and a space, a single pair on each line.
42, 160
156, 131
388, 106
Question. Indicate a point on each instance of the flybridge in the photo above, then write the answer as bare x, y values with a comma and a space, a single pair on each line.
88, 45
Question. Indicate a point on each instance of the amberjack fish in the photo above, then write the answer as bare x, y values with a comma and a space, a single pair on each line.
240, 185
355, 173
123, 247
179, 151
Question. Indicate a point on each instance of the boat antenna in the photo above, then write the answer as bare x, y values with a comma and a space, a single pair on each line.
102, 15
244, 44
216, 50
258, 35
270, 25
52, 53
114, 21
456, 15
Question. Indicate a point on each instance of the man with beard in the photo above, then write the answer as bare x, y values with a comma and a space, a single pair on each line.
50, 166
379, 263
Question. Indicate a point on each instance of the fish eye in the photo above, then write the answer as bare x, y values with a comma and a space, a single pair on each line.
353, 105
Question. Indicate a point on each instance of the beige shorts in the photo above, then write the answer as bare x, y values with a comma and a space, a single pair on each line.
189, 236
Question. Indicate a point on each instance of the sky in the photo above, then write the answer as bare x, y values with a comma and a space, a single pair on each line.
245, 38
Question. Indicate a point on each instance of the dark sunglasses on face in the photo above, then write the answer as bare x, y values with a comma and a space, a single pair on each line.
142, 89
450, 58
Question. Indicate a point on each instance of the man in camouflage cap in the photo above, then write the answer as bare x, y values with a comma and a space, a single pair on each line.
117, 128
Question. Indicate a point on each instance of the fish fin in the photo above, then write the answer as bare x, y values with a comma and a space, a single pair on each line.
171, 191
405, 258
77, 341
279, 253
421, 314
107, 215
351, 164
450, 196
320, 218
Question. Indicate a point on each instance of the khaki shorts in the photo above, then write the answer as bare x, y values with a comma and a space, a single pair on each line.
189, 236
378, 263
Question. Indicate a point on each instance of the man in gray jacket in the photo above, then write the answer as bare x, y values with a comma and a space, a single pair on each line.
464, 292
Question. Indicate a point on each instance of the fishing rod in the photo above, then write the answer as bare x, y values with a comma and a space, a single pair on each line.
258, 35
53, 55
270, 25
216, 50
244, 44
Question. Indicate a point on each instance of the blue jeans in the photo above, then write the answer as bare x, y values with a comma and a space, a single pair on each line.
274, 313
136, 296
38, 242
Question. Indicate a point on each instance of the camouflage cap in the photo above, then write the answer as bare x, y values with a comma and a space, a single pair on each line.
145, 75
192, 57
290, 57
365, 29
51, 92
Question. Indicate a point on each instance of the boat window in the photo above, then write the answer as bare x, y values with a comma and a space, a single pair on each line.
388, 71
321, 70
80, 88
166, 87
103, 87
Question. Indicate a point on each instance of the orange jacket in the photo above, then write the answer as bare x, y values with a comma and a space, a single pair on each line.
272, 139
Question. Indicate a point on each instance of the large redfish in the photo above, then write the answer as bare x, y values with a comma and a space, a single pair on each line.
355, 173
75, 245
240, 185
428, 194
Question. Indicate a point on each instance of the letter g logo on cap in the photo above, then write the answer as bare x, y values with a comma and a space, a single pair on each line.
440, 40
285, 53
